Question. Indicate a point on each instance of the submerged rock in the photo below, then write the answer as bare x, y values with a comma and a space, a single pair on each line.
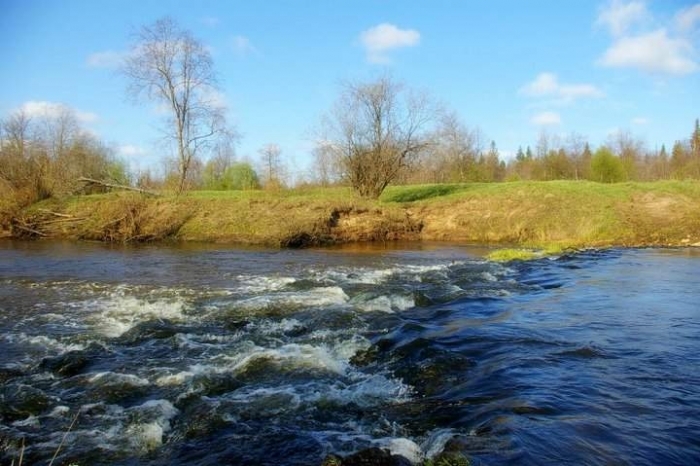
368, 457
149, 330
66, 364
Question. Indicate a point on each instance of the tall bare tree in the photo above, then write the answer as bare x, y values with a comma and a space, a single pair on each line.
375, 130
271, 164
169, 66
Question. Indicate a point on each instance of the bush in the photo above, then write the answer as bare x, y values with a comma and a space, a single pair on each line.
606, 167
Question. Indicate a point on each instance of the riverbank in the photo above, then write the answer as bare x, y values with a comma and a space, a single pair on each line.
529, 214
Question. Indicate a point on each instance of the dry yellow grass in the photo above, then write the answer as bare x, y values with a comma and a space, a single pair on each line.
531, 214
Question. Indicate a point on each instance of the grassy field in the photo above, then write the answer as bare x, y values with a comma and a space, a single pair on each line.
555, 214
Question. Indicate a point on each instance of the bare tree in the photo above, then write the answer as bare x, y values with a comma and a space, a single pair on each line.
325, 167
170, 67
455, 150
271, 164
375, 130
575, 150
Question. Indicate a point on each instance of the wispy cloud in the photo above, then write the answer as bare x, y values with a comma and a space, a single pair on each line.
45, 109
654, 52
242, 46
644, 42
687, 18
640, 121
546, 119
619, 16
379, 40
106, 59
210, 21
547, 85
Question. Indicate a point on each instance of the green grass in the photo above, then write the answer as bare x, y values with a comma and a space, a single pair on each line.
530, 215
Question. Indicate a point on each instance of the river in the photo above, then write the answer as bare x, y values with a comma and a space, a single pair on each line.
207, 355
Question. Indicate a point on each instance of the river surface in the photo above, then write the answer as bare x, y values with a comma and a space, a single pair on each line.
204, 355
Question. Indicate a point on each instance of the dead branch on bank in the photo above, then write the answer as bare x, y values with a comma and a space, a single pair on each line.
105, 184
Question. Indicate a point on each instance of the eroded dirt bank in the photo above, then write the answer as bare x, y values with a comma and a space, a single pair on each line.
565, 213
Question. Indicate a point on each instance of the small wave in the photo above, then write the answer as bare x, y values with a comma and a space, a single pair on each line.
114, 378
250, 284
390, 303
315, 297
403, 447
157, 414
378, 276
584, 352
118, 314
292, 357
43, 341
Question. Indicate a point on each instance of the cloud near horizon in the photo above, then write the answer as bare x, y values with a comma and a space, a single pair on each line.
547, 85
379, 40
546, 119
45, 109
130, 150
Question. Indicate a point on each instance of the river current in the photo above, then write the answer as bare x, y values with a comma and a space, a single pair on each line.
204, 355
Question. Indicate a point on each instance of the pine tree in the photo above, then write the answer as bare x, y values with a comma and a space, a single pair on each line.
528, 153
695, 141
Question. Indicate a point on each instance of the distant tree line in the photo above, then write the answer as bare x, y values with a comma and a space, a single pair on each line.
377, 133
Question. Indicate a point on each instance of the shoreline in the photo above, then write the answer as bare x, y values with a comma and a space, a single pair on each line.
536, 215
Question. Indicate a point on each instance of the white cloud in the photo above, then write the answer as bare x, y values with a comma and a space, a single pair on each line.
106, 59
546, 119
640, 121
654, 52
44, 109
687, 18
548, 85
242, 46
129, 150
619, 16
381, 39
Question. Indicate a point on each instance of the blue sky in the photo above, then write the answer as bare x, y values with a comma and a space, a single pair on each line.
511, 68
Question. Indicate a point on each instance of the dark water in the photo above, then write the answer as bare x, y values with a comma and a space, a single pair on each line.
206, 356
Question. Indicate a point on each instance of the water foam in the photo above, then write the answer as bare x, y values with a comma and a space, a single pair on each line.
260, 284
315, 297
371, 276
43, 341
389, 304
148, 435
115, 378
118, 314
402, 446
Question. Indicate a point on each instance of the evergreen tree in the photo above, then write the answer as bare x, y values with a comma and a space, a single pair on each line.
695, 141
528, 153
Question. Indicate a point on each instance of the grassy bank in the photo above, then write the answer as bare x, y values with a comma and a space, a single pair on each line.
533, 214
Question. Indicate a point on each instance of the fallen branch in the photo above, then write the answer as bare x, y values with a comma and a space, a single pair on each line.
117, 186
57, 214
63, 220
28, 230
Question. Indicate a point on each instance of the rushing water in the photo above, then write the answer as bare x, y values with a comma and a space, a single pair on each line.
206, 356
